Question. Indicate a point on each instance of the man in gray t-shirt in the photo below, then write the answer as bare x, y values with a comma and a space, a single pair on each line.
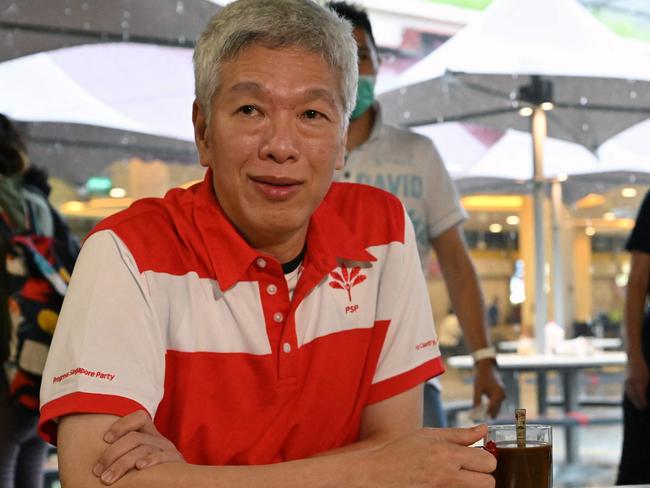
408, 165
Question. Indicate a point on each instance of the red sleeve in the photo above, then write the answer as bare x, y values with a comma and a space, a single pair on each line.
78, 403
405, 381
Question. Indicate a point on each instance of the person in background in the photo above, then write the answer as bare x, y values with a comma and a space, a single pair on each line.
26, 220
409, 166
493, 312
450, 335
22, 451
261, 328
634, 467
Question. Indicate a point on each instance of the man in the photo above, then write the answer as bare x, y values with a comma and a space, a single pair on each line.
275, 330
407, 165
634, 467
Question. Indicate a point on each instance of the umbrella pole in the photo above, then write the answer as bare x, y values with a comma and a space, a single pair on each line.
538, 131
558, 264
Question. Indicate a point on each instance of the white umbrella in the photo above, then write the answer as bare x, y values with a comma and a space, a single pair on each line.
130, 86
522, 53
629, 148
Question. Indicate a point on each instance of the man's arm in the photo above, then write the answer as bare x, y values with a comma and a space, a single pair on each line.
636, 383
394, 452
467, 300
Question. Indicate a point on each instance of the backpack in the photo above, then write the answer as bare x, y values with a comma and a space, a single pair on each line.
37, 272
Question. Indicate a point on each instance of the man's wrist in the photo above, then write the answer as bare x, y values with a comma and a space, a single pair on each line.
483, 354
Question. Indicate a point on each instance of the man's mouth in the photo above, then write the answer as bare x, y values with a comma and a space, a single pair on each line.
276, 188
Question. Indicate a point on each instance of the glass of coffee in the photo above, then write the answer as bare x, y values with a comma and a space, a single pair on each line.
522, 462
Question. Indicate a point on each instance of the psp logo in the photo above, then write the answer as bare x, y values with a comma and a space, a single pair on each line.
346, 280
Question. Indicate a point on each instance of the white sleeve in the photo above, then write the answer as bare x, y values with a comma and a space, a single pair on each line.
444, 209
108, 350
410, 353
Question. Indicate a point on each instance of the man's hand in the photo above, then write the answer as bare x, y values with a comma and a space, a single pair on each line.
134, 443
487, 381
636, 383
434, 458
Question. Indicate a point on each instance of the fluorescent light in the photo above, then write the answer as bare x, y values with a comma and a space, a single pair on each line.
628, 192
117, 192
493, 202
525, 111
495, 228
72, 206
512, 220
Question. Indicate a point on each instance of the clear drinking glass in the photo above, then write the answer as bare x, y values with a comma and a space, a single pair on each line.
519, 464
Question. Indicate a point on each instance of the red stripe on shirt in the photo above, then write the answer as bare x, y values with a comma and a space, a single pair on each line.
405, 381
78, 403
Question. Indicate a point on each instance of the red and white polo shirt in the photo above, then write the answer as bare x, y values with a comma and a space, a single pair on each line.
169, 310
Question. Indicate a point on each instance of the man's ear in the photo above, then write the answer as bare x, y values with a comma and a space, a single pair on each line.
201, 133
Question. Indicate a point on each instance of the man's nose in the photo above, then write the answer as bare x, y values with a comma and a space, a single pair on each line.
280, 141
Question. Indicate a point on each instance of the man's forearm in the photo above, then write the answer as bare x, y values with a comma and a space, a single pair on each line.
82, 450
635, 302
467, 301
81, 444
463, 286
633, 319
344, 469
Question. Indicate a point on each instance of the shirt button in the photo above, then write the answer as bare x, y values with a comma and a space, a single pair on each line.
286, 347
261, 262
271, 289
278, 317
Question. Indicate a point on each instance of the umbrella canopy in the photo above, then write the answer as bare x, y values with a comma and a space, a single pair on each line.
630, 147
491, 161
136, 87
599, 81
28, 27
524, 57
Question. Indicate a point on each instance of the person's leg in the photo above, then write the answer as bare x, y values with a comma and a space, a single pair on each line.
8, 451
29, 468
634, 467
433, 412
10, 438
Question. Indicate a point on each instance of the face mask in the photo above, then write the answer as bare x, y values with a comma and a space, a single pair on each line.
365, 96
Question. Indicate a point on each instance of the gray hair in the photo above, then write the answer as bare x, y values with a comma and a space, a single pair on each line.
275, 24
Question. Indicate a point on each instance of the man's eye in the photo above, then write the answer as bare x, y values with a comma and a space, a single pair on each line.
247, 109
312, 114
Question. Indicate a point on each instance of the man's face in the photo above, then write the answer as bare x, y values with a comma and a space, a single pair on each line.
276, 135
368, 56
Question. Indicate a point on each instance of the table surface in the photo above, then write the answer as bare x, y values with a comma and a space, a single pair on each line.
568, 367
533, 362
597, 342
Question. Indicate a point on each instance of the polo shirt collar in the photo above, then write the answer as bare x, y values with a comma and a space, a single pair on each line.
228, 252
329, 239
